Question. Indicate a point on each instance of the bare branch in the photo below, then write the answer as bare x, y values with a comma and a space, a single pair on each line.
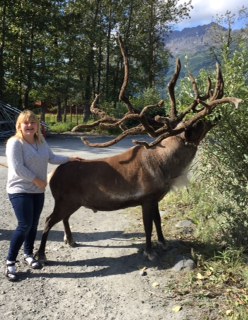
95, 124
196, 91
133, 131
212, 104
122, 96
219, 87
182, 126
194, 85
171, 88
160, 127
93, 108
209, 88
104, 118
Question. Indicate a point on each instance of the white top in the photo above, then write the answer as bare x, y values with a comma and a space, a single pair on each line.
27, 162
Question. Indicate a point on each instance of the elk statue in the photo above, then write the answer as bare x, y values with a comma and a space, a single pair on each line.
145, 173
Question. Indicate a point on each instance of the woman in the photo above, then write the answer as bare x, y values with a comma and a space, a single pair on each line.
28, 156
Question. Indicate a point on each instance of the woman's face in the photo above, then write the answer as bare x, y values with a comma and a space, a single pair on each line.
29, 127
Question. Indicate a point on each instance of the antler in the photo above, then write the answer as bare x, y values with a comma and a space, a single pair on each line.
122, 96
159, 127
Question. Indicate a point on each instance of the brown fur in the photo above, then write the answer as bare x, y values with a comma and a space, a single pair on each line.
139, 176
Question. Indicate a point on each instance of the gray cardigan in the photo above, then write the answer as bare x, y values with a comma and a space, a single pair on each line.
26, 162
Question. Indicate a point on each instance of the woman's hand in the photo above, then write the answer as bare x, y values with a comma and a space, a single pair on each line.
75, 159
41, 184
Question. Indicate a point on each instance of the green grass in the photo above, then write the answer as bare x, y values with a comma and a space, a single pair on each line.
71, 122
60, 127
221, 276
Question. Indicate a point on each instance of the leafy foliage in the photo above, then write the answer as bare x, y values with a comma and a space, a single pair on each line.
217, 200
226, 153
66, 51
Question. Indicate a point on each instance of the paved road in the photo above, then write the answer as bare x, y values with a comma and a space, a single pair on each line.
72, 145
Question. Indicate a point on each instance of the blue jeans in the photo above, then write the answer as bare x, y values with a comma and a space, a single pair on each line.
27, 208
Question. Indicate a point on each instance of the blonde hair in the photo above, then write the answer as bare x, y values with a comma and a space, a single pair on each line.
28, 115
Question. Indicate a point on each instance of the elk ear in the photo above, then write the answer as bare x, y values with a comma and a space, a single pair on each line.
197, 131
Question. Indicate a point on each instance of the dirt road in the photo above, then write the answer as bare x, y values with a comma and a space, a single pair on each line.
106, 277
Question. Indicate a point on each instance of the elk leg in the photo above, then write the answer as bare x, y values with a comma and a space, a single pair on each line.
68, 238
157, 222
50, 222
61, 211
147, 211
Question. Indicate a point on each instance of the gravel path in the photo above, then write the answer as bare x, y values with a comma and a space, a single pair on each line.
106, 277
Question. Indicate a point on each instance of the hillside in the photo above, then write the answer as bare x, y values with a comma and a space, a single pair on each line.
191, 40
194, 44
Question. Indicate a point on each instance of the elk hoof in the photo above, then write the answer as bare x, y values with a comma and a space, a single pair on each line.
163, 245
71, 242
151, 255
40, 257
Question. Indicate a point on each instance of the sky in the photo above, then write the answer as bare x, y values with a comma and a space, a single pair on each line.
204, 12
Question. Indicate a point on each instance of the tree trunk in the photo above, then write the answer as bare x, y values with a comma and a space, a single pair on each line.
151, 49
65, 111
43, 111
30, 70
59, 113
107, 75
3, 35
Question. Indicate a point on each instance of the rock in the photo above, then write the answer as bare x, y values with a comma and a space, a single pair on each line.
185, 224
184, 264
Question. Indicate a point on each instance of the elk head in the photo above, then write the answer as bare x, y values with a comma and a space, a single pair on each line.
190, 124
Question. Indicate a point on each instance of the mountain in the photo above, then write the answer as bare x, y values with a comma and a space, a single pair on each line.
191, 40
193, 47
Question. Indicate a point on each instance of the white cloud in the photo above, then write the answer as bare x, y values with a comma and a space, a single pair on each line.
205, 12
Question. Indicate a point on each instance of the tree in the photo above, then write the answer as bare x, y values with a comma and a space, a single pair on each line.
66, 51
223, 34
3, 33
226, 175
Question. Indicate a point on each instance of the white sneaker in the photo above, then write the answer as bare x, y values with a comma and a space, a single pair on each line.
10, 271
